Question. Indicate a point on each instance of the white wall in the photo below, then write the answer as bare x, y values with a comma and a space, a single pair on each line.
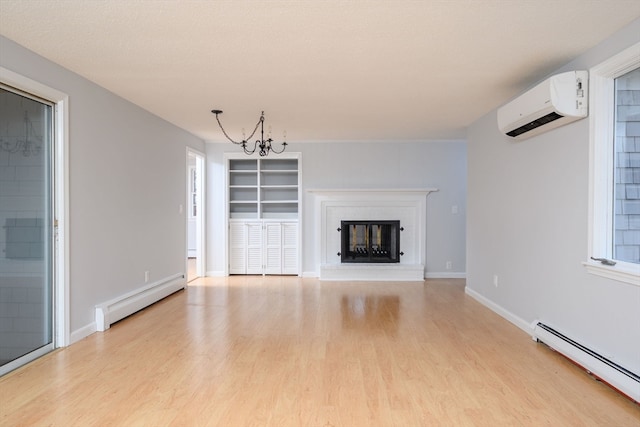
127, 181
358, 165
527, 223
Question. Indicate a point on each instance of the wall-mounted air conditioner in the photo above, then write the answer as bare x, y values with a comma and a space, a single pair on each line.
559, 100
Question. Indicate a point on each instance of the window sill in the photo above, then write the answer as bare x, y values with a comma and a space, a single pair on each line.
622, 271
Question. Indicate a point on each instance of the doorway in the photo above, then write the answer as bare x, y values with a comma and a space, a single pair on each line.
28, 227
195, 215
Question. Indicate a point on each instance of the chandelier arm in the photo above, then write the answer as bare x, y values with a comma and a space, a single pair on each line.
28, 146
249, 152
10, 147
284, 147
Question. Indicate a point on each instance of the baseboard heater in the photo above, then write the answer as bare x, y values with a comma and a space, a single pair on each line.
125, 305
602, 368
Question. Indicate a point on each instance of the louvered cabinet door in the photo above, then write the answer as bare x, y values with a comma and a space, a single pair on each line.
269, 247
289, 248
254, 248
237, 248
273, 248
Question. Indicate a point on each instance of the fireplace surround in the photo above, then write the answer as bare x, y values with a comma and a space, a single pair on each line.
409, 206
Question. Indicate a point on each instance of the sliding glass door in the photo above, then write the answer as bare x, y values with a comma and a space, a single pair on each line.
26, 228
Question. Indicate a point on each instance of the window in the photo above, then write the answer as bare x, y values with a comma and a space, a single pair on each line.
626, 172
615, 166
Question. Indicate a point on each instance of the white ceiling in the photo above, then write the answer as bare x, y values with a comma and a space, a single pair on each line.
320, 69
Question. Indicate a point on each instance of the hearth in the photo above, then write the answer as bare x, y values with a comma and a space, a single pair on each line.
370, 241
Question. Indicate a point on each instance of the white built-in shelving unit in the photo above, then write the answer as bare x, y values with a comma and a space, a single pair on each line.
263, 207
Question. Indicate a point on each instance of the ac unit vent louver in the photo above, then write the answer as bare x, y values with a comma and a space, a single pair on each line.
534, 124
559, 100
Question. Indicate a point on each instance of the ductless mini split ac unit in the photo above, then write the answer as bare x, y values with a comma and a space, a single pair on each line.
557, 101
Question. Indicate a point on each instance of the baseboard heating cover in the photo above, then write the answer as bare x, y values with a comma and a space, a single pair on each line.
604, 369
125, 305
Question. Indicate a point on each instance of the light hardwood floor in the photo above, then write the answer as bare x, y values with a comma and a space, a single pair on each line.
285, 351
191, 269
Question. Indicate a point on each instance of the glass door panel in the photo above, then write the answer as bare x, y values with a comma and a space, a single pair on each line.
26, 228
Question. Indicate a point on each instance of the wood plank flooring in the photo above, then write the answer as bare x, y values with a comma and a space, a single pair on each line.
286, 351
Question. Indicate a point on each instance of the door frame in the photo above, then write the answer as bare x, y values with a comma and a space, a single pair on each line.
201, 216
60, 176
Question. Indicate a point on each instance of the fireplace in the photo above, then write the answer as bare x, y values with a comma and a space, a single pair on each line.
408, 206
370, 241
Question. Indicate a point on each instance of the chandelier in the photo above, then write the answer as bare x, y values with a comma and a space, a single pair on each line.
263, 145
28, 146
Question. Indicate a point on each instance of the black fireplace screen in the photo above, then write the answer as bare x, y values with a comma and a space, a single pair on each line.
370, 241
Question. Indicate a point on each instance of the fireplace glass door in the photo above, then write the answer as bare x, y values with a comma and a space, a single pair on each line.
370, 241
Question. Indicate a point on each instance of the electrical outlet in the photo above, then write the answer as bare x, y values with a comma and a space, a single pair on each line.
449, 265
495, 280
146, 276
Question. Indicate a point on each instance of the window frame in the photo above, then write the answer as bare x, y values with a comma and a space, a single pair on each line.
601, 165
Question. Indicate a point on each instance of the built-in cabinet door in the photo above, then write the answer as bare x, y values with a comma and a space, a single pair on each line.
237, 248
263, 248
245, 248
254, 248
273, 248
289, 248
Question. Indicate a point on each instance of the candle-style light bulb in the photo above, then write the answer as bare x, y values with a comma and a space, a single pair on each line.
244, 138
284, 136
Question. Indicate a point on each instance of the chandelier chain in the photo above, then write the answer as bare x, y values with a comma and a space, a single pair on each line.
260, 120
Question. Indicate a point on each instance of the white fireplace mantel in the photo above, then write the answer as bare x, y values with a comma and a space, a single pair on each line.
406, 205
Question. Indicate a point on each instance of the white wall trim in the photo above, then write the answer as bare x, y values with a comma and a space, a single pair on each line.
216, 273
501, 311
82, 332
201, 223
445, 275
622, 272
601, 144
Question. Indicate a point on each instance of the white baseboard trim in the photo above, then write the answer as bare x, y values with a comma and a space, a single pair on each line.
82, 332
435, 275
445, 275
118, 308
499, 310
215, 273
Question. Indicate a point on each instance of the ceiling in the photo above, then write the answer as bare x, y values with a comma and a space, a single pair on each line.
323, 70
